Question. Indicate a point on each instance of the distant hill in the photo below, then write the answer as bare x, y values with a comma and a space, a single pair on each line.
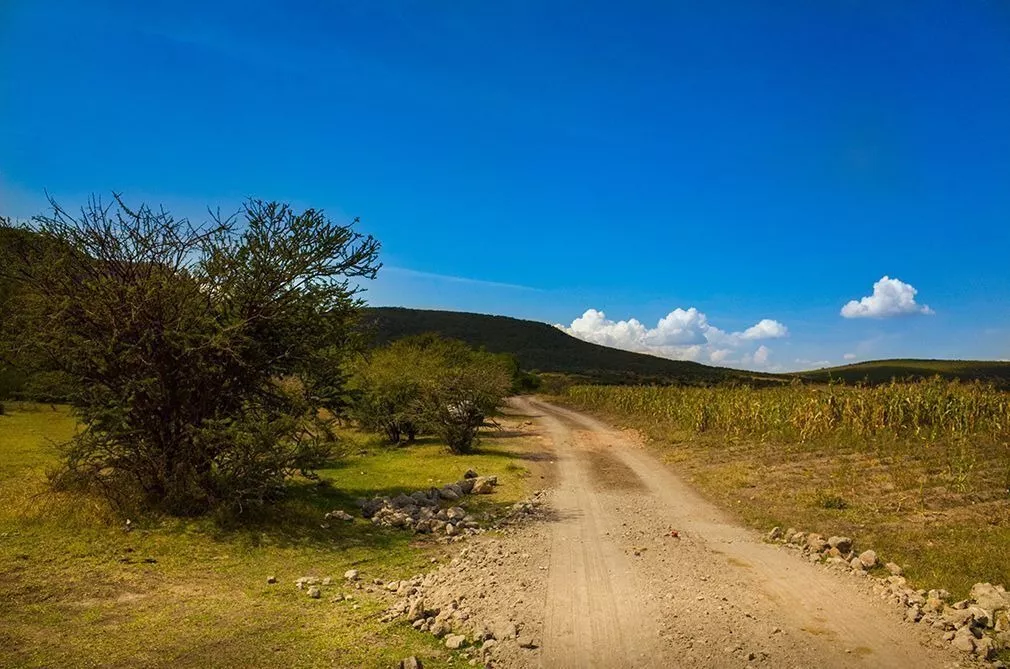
883, 371
544, 348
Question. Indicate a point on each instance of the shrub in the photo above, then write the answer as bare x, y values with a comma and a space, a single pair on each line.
430, 384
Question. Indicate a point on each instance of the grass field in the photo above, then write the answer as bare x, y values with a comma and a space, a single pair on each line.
919, 472
76, 589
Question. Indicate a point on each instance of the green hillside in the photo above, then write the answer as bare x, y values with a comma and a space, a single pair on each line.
882, 371
545, 348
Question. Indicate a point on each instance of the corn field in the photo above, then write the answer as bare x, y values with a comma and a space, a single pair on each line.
933, 410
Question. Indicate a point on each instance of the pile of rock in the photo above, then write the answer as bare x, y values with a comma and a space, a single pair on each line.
313, 585
833, 550
422, 512
978, 625
460, 603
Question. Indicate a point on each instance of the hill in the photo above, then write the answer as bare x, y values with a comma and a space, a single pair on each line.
544, 348
883, 371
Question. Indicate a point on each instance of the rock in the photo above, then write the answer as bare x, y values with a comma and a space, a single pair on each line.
466, 485
393, 586
964, 640
856, 563
271, 579
990, 597
416, 611
956, 618
455, 513
402, 500
816, 542
980, 617
411, 663
775, 534
371, 506
470, 474
450, 530
484, 485
315, 592
448, 494
1002, 622
913, 613
351, 574
985, 648
893, 568
933, 605
843, 544
340, 514
455, 641
439, 628
527, 642
868, 558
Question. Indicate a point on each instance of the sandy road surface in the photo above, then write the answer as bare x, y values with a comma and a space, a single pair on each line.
622, 592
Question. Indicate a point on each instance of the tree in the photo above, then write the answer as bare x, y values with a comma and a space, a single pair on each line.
457, 401
386, 384
201, 356
427, 383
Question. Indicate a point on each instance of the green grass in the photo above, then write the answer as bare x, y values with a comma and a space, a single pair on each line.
76, 589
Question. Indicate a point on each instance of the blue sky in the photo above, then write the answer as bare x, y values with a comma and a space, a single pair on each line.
543, 159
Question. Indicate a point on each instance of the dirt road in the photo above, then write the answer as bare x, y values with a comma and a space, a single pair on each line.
622, 591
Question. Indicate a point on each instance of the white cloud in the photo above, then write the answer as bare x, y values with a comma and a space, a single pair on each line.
812, 364
765, 329
683, 334
720, 355
891, 297
850, 356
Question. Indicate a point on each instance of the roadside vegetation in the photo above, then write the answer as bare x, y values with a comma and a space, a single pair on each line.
918, 471
192, 592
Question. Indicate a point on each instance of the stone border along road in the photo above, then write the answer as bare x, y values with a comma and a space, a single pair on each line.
644, 572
